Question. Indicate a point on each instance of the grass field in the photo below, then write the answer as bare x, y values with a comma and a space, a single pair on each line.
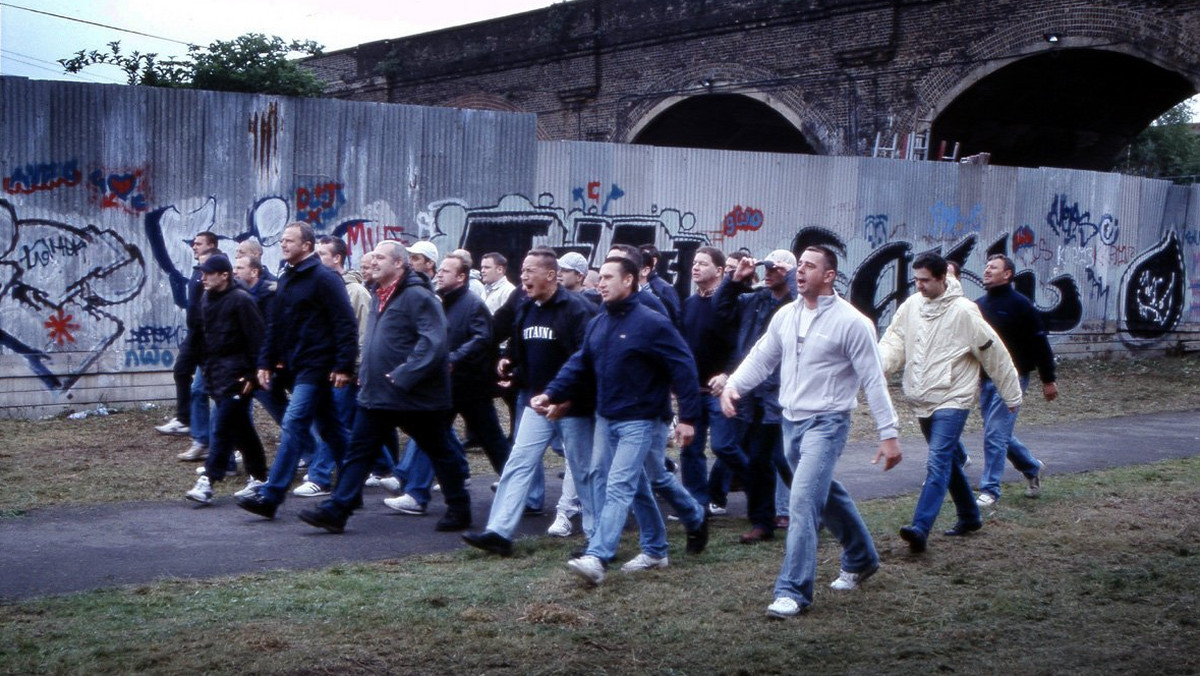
1101, 575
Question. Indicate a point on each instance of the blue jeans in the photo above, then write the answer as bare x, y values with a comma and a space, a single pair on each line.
998, 439
311, 406
813, 446
534, 433
345, 402
657, 480
619, 451
725, 433
942, 472
200, 410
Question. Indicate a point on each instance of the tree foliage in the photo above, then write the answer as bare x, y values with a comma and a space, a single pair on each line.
251, 63
1168, 148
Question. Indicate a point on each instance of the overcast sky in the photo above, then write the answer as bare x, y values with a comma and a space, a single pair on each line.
31, 42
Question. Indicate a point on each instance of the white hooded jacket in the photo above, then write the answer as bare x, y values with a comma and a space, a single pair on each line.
941, 343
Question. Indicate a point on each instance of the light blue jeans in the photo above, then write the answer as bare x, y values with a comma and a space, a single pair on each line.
658, 480
998, 439
320, 468
619, 451
534, 434
812, 447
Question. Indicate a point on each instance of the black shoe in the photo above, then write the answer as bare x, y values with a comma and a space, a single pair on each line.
257, 504
489, 542
963, 528
914, 538
697, 539
454, 521
530, 511
756, 535
320, 518
670, 465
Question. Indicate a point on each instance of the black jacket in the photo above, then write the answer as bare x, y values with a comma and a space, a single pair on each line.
228, 339
311, 331
469, 333
406, 339
1020, 327
750, 310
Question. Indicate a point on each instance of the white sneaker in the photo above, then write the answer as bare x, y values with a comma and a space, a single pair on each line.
985, 500
716, 510
372, 481
174, 428
405, 504
588, 567
390, 484
848, 581
201, 492
644, 561
200, 470
562, 526
308, 489
197, 451
783, 607
251, 488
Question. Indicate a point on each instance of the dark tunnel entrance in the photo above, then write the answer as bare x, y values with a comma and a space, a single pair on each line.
1074, 108
724, 122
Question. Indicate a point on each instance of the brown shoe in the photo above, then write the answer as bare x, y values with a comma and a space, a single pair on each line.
781, 522
755, 535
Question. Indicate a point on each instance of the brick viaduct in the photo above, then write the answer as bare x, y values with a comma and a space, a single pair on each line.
1062, 83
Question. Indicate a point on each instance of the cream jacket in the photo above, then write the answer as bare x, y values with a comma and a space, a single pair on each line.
941, 344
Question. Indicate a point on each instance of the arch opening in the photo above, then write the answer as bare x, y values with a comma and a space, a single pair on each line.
1071, 108
724, 122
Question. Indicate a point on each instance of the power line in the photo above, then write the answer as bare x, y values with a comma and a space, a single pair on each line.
28, 60
93, 23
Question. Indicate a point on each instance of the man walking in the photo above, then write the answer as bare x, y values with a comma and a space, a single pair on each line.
549, 327
227, 343
404, 382
1017, 321
311, 344
633, 358
941, 340
825, 351
493, 269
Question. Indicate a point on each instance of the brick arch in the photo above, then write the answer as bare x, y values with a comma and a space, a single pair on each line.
1138, 34
486, 101
728, 78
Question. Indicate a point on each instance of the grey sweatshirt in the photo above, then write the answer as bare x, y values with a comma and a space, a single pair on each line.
823, 372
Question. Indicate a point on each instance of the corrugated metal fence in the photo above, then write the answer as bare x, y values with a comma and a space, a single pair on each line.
104, 186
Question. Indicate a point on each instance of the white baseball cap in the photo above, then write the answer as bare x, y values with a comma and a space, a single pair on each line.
426, 249
573, 260
779, 257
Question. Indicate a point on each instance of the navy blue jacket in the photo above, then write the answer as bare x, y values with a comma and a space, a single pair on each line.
406, 339
708, 336
750, 310
635, 358
668, 295
264, 296
469, 332
1020, 327
228, 339
312, 331
538, 350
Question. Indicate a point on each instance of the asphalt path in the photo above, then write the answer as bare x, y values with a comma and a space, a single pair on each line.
69, 549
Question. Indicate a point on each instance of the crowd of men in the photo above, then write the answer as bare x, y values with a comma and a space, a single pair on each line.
762, 366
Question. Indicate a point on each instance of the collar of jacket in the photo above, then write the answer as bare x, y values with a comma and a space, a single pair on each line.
305, 265
451, 297
623, 306
935, 307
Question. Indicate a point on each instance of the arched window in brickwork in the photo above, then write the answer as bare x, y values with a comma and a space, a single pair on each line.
724, 122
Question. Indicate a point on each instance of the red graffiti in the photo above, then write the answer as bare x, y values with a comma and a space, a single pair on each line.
121, 190
1023, 237
316, 203
593, 190
60, 326
741, 218
364, 236
33, 178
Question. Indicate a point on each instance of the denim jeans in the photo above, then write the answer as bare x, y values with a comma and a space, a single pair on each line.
619, 453
658, 481
311, 406
233, 427
725, 435
534, 433
428, 429
998, 439
814, 446
200, 409
942, 472
415, 469
320, 469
